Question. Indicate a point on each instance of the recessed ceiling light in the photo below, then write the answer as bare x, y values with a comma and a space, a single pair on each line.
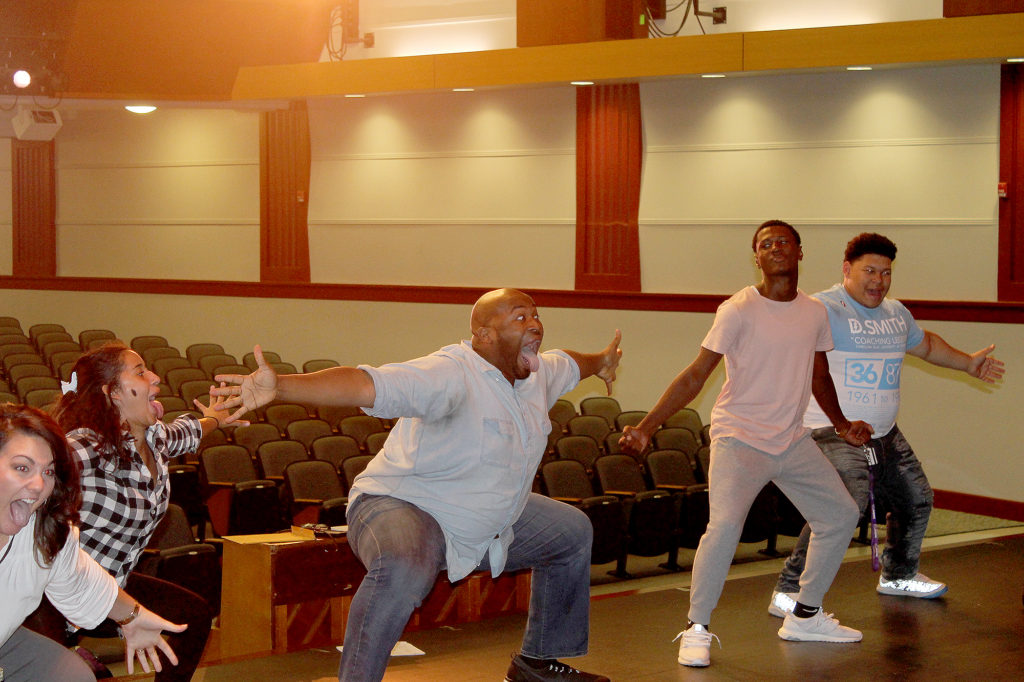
712, 75
354, 96
1015, 60
462, 89
858, 68
581, 83
140, 108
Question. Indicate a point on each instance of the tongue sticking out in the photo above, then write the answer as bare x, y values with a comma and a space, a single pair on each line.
21, 511
531, 359
158, 407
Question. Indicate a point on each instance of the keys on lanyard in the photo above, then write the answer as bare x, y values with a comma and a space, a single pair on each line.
871, 455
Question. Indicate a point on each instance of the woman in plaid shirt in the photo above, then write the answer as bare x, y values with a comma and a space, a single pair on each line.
114, 428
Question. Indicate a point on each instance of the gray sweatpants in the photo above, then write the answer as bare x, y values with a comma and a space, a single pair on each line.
737, 474
27, 656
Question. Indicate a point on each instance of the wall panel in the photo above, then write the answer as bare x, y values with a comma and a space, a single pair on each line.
168, 195
910, 153
481, 195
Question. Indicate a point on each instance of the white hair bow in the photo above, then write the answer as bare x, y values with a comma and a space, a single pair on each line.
70, 386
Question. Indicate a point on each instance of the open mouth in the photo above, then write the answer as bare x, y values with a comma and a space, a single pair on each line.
528, 355
21, 511
156, 406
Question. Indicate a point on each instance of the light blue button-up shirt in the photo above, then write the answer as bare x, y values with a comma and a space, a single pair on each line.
467, 445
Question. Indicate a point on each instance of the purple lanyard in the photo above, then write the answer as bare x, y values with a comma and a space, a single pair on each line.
872, 459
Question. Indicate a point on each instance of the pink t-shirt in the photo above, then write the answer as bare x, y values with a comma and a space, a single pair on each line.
769, 360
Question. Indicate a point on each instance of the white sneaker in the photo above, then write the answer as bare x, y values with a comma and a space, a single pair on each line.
821, 627
695, 649
782, 603
920, 586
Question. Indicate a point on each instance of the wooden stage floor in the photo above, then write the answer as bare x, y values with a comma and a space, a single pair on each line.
975, 632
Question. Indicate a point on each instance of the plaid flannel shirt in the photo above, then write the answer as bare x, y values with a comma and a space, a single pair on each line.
121, 507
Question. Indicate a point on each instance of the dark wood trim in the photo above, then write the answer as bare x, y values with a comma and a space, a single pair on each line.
34, 208
609, 156
954, 311
285, 161
976, 504
967, 8
1010, 277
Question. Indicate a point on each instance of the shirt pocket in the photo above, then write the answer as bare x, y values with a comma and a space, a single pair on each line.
497, 444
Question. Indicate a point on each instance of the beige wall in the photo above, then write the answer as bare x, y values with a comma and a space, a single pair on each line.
170, 195
967, 435
447, 189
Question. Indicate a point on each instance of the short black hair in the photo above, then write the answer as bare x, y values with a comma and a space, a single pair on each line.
869, 242
774, 223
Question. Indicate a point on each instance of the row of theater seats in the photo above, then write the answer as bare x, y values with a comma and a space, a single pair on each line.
652, 504
295, 463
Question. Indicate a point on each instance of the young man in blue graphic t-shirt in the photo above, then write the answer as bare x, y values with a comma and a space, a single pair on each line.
871, 334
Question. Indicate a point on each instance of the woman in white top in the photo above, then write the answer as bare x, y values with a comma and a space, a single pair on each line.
39, 553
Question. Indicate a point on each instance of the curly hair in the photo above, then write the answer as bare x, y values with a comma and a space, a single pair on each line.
90, 407
60, 510
869, 243
774, 223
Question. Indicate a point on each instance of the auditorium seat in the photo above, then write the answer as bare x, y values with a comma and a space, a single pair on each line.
653, 515
176, 376
254, 435
237, 499
283, 414
687, 418
87, 336
316, 493
629, 418
198, 350
174, 555
677, 438
317, 365
567, 481
672, 470
273, 456
307, 430
589, 425
249, 359
37, 330
583, 449
562, 411
139, 344
359, 427
335, 449
601, 406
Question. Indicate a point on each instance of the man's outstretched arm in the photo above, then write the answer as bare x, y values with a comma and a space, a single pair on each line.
337, 386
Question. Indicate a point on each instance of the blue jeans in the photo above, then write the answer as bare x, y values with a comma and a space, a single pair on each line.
403, 550
899, 481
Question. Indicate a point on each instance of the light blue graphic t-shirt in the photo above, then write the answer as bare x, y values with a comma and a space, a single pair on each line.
867, 360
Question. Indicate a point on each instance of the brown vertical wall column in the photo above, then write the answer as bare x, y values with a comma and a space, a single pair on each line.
609, 156
1011, 171
284, 195
34, 228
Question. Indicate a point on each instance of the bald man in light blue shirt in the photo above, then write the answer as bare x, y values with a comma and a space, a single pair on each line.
451, 487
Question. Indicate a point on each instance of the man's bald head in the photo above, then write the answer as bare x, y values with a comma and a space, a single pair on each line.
493, 303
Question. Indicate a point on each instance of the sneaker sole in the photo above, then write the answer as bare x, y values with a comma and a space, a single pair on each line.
695, 664
889, 592
804, 637
776, 611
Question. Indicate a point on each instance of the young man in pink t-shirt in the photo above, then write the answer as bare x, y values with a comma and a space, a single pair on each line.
774, 338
